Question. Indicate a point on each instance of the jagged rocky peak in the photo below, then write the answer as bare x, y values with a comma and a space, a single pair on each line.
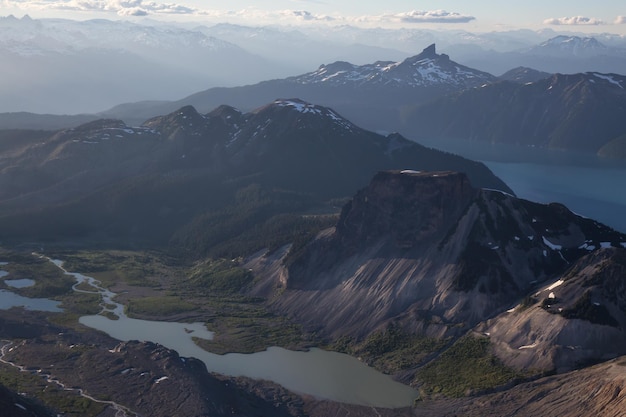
185, 121
409, 205
298, 109
225, 112
429, 52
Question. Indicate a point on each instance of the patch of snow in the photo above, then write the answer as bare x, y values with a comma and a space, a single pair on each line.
551, 296
551, 245
531, 237
609, 79
125, 371
409, 171
545, 253
624, 244
605, 245
20, 406
499, 191
587, 246
511, 310
163, 378
534, 345
556, 284
299, 106
517, 238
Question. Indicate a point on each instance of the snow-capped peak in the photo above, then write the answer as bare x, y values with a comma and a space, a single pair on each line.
423, 70
303, 107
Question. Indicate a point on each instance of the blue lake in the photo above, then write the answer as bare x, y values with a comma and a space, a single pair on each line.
588, 185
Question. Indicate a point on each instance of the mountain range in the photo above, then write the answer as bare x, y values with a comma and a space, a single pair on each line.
185, 170
107, 62
582, 112
96, 64
430, 96
565, 54
371, 95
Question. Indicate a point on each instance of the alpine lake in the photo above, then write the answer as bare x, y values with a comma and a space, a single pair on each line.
320, 373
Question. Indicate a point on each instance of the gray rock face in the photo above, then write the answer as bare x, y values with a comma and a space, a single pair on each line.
431, 253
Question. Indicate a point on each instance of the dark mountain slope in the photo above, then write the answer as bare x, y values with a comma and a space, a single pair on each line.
185, 173
577, 112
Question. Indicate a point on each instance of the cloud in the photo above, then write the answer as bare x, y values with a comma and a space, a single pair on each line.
620, 20
432, 16
132, 11
252, 14
121, 7
302, 15
575, 20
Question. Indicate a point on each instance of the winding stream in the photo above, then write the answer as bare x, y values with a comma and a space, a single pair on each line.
322, 374
120, 410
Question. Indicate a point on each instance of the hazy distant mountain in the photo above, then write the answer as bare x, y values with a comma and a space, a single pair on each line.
64, 66
431, 255
570, 46
372, 95
524, 75
576, 112
169, 176
560, 54
285, 45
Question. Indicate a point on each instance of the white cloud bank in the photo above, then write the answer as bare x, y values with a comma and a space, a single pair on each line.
620, 20
147, 7
431, 16
573, 21
121, 7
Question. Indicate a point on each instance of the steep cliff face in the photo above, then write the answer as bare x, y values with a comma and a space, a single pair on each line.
430, 253
397, 212
578, 318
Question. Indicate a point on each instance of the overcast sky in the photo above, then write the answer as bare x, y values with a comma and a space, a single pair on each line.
475, 15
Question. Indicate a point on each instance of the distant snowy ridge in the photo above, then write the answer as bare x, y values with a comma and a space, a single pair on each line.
423, 70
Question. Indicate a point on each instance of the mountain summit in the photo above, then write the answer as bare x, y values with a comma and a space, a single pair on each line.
428, 69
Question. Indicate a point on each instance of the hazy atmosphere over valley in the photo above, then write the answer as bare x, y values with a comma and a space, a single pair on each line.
306, 208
